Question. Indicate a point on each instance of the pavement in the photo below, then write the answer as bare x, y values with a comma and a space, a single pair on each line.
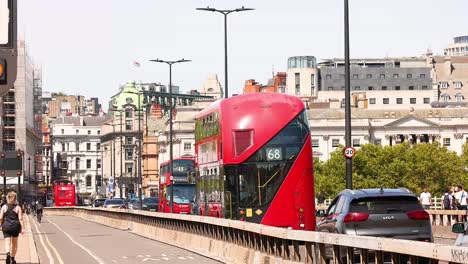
27, 253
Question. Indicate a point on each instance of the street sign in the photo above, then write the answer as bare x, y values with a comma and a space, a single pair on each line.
349, 152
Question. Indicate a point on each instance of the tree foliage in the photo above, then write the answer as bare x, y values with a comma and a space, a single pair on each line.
404, 165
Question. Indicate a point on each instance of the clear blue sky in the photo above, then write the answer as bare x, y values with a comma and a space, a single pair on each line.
87, 46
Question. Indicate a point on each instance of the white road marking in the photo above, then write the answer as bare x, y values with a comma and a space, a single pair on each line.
98, 260
146, 259
55, 250
165, 258
148, 256
124, 257
190, 257
49, 256
164, 255
182, 258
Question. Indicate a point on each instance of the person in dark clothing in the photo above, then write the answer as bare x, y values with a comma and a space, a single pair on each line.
11, 218
39, 208
320, 198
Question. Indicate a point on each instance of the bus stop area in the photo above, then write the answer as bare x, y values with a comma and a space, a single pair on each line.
26, 246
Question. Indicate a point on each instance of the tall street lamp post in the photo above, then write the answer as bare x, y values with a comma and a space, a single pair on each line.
121, 150
349, 161
113, 155
225, 13
170, 63
29, 173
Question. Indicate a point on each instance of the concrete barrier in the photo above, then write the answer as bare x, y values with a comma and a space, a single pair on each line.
240, 242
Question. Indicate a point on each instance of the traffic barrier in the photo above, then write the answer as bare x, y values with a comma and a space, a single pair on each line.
241, 242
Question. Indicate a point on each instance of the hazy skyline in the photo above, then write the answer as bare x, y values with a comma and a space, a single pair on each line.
87, 47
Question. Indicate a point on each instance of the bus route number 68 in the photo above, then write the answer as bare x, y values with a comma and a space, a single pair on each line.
274, 154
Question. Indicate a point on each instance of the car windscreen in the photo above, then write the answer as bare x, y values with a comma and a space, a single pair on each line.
385, 205
114, 202
150, 200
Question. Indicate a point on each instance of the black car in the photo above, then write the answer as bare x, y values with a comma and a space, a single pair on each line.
99, 202
394, 213
150, 204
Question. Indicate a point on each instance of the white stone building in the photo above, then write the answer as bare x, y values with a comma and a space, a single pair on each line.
449, 127
77, 155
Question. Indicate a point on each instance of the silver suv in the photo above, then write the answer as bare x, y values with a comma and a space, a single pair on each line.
394, 213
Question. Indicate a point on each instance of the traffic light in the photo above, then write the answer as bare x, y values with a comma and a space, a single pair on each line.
8, 45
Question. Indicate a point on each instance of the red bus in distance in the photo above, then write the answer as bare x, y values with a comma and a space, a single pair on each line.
64, 193
254, 161
183, 178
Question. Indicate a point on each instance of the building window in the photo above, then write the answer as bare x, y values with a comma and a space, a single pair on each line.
187, 146
370, 88
128, 113
88, 181
99, 132
459, 97
297, 78
128, 154
63, 146
335, 142
397, 87
371, 100
98, 180
384, 88
328, 76
129, 168
330, 88
399, 100
89, 132
357, 88
443, 85
63, 131
382, 76
386, 101
356, 142
425, 87
98, 163
412, 100
77, 131
409, 76
422, 76
128, 140
378, 141
315, 143
411, 88
355, 76
88, 146
457, 85
445, 97
395, 76
88, 164
128, 125
369, 76
98, 146
312, 79
446, 142
427, 100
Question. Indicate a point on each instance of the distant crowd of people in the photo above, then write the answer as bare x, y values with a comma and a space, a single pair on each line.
454, 198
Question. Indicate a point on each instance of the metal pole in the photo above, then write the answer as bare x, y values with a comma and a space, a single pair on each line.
113, 155
349, 161
171, 157
121, 160
139, 154
226, 95
29, 173
35, 179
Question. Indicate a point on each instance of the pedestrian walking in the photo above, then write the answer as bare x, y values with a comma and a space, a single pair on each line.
425, 199
447, 200
11, 218
461, 197
320, 198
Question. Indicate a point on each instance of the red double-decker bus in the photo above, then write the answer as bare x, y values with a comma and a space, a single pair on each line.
254, 161
64, 193
183, 179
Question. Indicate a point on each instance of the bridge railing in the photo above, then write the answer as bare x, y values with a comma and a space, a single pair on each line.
241, 242
436, 203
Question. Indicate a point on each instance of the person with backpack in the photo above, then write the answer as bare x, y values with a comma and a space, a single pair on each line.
447, 200
11, 218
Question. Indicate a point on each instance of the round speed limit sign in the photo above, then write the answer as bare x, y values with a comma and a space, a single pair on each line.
349, 152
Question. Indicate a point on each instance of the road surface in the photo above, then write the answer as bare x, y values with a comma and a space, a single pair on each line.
70, 240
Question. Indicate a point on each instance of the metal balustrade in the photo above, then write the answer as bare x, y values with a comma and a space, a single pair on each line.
241, 242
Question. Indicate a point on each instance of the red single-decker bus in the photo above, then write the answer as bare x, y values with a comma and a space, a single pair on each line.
64, 193
183, 181
254, 161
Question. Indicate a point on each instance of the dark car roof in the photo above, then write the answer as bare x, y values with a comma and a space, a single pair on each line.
362, 193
